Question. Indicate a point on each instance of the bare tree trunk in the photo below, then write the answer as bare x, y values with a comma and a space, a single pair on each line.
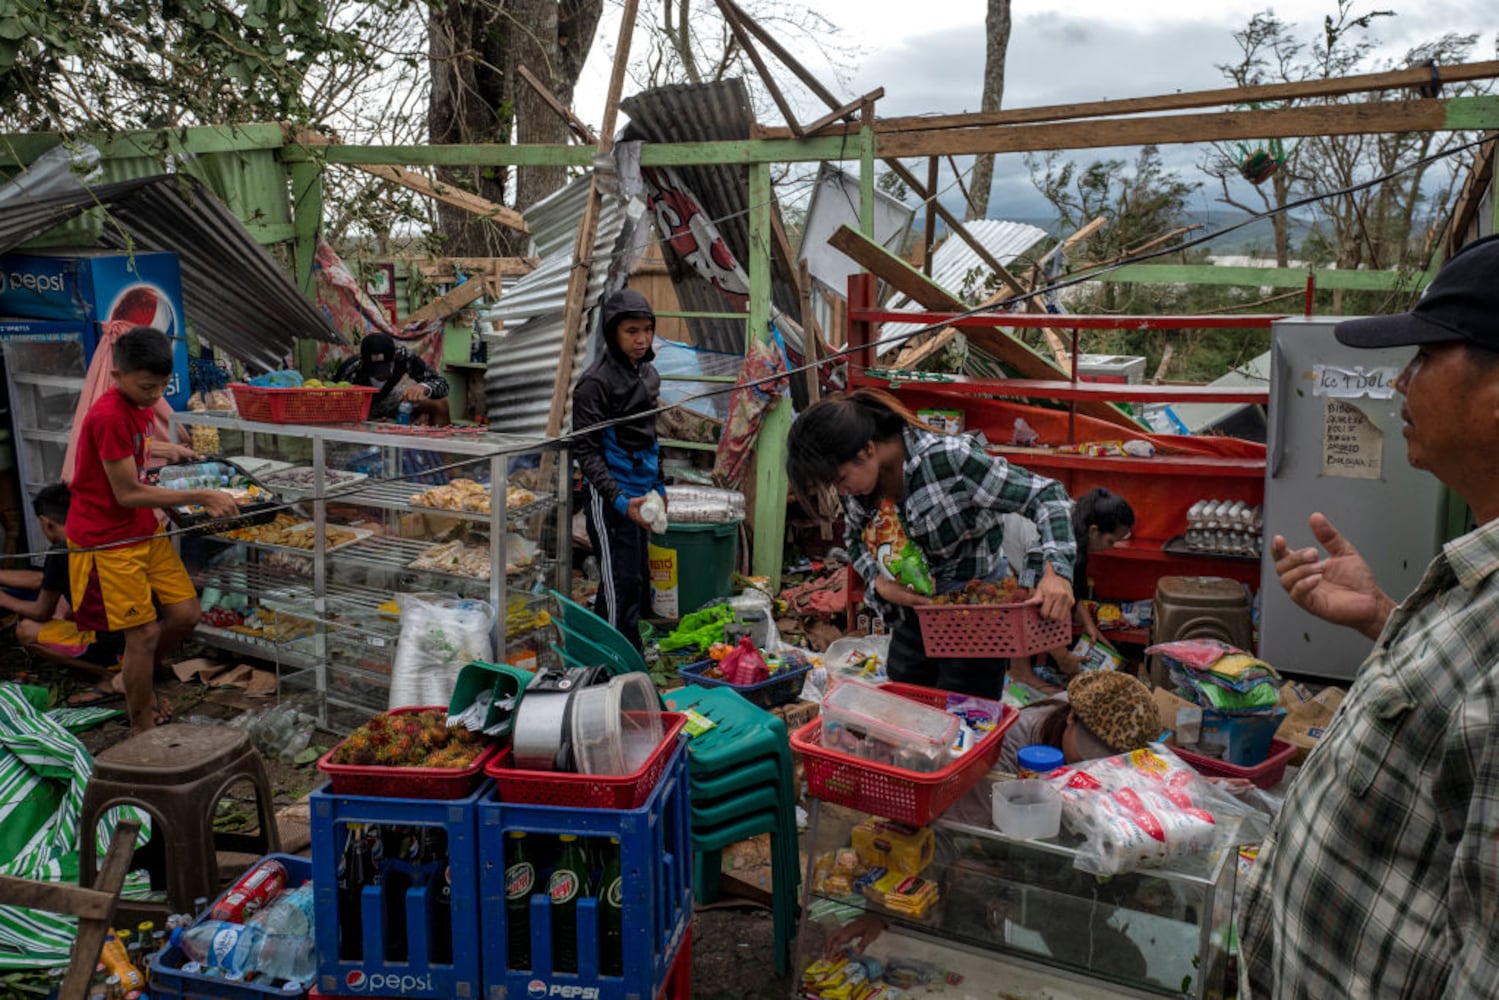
474, 47
997, 43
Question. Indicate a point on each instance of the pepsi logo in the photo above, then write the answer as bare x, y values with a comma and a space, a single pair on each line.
536, 988
355, 979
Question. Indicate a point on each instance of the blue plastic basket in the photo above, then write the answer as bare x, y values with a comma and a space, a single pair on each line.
165, 968
373, 974
778, 690
655, 845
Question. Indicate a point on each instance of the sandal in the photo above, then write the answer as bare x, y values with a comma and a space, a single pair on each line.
95, 697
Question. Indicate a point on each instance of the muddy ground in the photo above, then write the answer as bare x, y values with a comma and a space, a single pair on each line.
732, 938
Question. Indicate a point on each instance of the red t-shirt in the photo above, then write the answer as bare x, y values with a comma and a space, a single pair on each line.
115, 428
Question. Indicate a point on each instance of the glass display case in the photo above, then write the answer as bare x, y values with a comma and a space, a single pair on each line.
379, 511
1018, 911
45, 363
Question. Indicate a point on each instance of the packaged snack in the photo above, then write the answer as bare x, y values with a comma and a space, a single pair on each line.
894, 553
908, 895
903, 849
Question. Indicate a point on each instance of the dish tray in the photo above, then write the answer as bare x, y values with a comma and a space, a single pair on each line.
250, 514
891, 792
989, 630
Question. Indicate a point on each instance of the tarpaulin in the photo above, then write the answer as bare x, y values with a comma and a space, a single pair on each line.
352, 312
765, 358
43, 772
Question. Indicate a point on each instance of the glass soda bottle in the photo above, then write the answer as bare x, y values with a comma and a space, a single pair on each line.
520, 885
611, 915
569, 881
434, 872
355, 872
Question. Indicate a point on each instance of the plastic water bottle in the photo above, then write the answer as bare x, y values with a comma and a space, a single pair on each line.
403, 412
246, 948
289, 913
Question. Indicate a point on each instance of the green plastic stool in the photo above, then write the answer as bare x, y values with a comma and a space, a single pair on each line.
785, 877
580, 647
589, 625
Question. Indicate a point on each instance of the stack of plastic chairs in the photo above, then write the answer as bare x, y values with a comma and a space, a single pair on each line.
741, 787
588, 640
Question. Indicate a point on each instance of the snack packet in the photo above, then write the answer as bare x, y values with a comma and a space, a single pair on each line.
894, 553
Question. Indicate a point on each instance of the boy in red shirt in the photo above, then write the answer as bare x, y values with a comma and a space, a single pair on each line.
122, 567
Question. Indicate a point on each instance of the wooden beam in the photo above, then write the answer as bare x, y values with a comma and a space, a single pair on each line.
1341, 119
1222, 97
1059, 349
446, 305
847, 111
809, 331
958, 228
574, 123
577, 279
92, 930
447, 194
787, 59
736, 19
444, 270
932, 166
1019, 356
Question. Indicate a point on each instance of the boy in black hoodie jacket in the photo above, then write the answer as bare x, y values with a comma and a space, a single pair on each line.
621, 463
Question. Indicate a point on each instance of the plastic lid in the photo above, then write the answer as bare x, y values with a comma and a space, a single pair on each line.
1038, 758
616, 728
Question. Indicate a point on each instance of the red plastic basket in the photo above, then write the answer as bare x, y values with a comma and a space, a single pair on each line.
587, 791
325, 405
989, 630
892, 792
385, 782
1266, 774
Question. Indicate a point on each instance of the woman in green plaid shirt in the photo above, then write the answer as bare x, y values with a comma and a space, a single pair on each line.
951, 497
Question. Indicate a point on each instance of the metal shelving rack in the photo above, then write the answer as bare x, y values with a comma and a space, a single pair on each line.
346, 660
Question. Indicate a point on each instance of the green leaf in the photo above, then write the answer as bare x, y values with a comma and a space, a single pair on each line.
12, 28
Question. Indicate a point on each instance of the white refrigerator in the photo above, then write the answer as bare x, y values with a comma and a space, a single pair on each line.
1335, 445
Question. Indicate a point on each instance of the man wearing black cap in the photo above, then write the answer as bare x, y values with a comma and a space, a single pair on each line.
1380, 876
386, 367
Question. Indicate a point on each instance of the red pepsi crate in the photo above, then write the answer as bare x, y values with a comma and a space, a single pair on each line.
655, 845
369, 970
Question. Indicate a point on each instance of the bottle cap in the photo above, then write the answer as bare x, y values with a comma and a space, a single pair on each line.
568, 838
516, 834
1038, 758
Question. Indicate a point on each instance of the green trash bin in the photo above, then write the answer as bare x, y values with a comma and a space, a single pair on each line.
691, 565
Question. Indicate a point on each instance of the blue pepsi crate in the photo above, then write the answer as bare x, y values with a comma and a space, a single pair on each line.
655, 845
781, 688
374, 973
167, 978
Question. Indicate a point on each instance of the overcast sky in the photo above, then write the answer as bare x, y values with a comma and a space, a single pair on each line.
929, 57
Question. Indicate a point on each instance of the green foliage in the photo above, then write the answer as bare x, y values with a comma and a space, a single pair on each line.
76, 65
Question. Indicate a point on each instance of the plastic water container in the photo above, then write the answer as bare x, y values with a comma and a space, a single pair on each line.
1027, 809
864, 721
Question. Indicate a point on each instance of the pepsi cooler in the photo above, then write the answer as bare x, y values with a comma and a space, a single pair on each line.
53, 309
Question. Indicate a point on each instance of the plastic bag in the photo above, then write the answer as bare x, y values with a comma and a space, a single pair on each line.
893, 552
744, 665
440, 634
1143, 809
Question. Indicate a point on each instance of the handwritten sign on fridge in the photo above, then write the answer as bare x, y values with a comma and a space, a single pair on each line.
1353, 382
1352, 446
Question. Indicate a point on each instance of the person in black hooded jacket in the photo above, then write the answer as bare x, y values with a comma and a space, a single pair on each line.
621, 463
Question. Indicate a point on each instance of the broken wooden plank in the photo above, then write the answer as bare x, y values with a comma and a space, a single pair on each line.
574, 123
446, 270
736, 20
1017, 355
448, 195
577, 279
446, 305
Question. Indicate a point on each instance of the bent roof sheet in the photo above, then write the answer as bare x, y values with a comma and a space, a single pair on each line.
237, 297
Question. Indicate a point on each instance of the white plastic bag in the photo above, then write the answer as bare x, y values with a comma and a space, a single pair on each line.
1142, 809
440, 634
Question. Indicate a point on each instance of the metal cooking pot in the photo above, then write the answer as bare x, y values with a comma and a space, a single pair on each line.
541, 736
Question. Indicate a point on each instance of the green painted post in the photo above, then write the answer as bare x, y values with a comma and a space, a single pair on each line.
770, 446
866, 177
307, 217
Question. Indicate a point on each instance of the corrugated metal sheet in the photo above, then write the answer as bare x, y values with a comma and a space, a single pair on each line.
237, 297
523, 359
954, 259
710, 112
